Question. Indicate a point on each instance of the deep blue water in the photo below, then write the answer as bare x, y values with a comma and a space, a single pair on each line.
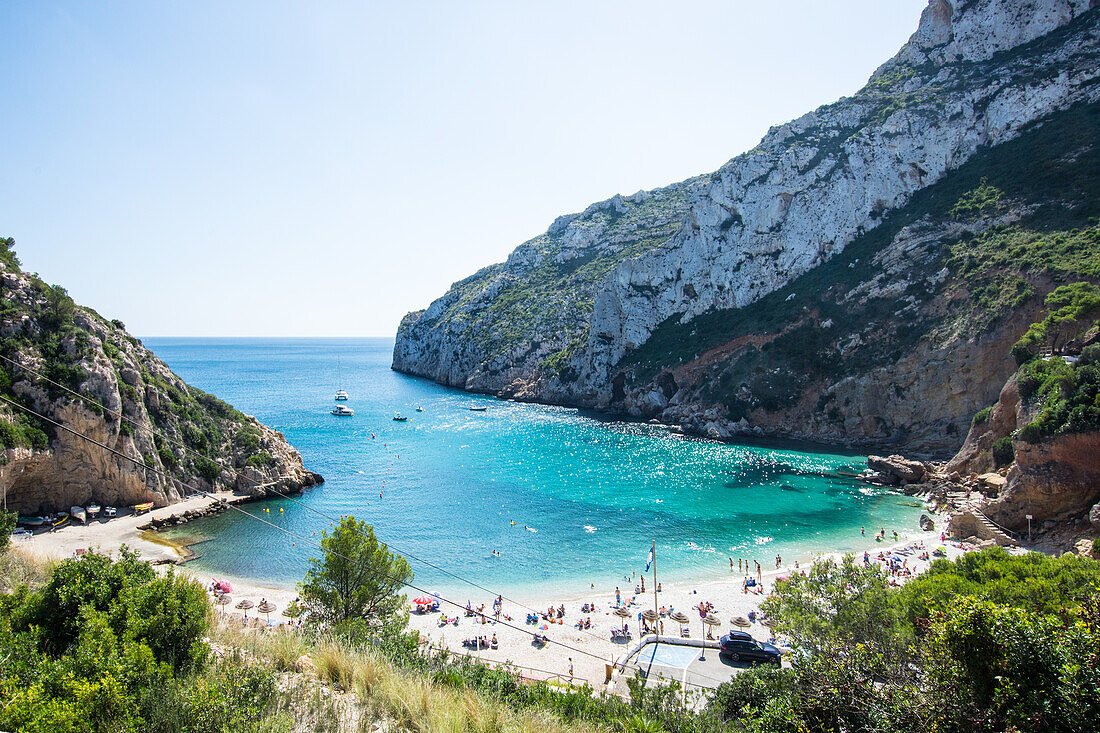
597, 491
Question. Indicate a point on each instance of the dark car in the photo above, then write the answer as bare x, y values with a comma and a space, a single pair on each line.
739, 646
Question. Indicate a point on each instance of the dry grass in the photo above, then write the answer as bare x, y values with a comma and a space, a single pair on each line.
19, 567
408, 701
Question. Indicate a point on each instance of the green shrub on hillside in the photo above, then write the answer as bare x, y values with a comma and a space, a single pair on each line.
1073, 311
260, 459
107, 647
1069, 395
981, 416
1003, 453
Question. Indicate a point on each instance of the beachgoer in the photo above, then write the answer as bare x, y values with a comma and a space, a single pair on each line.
731, 564
778, 560
618, 599
659, 588
570, 667
862, 531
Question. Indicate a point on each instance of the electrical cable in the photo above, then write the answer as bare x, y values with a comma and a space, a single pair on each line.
309, 541
306, 506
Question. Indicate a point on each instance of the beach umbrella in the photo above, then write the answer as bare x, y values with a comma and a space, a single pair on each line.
266, 608
680, 618
712, 620
423, 601
245, 605
292, 611
223, 600
741, 622
650, 615
622, 613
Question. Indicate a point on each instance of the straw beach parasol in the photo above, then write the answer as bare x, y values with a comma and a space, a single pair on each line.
266, 608
245, 605
622, 613
740, 622
222, 600
712, 621
680, 618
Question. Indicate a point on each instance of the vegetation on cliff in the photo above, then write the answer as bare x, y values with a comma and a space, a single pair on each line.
86, 361
991, 237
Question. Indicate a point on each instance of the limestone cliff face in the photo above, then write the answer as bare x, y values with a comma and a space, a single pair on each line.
43, 468
634, 335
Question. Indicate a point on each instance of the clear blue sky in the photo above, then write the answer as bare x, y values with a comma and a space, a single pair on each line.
320, 168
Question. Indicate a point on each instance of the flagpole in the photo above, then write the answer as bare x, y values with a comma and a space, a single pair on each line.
656, 621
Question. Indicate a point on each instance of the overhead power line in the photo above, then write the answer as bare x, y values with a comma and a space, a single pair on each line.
308, 540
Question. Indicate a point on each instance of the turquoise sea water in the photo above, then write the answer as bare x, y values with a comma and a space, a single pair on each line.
596, 491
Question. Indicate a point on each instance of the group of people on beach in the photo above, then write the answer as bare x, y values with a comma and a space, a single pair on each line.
480, 642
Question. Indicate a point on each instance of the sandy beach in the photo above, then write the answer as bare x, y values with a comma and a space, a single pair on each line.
584, 651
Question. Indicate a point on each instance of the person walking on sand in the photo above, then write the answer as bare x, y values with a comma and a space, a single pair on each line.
618, 598
778, 560
570, 668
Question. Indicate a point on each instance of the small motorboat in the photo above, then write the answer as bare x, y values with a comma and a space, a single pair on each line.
399, 418
34, 521
341, 411
474, 408
21, 532
110, 512
78, 514
419, 408
341, 395
143, 507
93, 510
61, 520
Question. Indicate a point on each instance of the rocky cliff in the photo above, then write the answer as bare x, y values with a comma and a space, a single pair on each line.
191, 436
843, 281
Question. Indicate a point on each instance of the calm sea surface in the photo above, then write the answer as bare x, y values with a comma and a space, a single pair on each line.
594, 492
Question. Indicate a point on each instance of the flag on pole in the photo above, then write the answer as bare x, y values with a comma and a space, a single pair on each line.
649, 562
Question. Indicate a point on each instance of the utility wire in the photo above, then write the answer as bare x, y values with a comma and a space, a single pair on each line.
140, 426
307, 540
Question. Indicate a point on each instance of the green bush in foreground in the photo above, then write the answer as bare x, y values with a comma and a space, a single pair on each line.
989, 643
105, 645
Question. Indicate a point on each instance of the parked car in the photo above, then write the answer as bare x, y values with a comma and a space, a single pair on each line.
739, 646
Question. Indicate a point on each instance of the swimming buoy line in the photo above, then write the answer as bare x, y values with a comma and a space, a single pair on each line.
288, 532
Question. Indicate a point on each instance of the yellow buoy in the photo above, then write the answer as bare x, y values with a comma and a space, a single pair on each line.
280, 510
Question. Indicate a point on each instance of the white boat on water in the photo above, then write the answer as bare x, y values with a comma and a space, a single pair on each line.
342, 411
341, 395
110, 512
93, 510
77, 513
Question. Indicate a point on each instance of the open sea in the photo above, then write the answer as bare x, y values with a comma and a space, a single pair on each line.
565, 497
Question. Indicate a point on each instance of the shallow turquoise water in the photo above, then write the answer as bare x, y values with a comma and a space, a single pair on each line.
596, 491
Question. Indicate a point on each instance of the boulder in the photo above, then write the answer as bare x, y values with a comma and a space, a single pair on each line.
1083, 548
305, 665
1094, 516
993, 481
897, 470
